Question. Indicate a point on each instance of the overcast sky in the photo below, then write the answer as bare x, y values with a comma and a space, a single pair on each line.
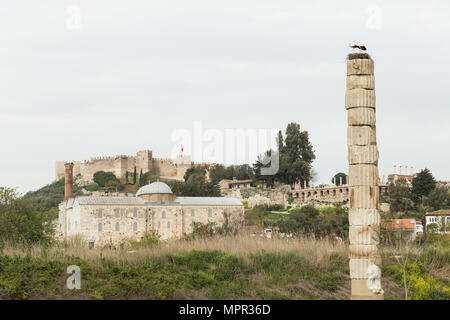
94, 78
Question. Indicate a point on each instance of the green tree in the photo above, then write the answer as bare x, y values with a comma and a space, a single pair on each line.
218, 172
310, 221
337, 178
196, 175
102, 177
134, 175
422, 185
261, 162
241, 172
141, 179
399, 196
438, 199
126, 176
280, 142
295, 157
149, 177
114, 184
21, 222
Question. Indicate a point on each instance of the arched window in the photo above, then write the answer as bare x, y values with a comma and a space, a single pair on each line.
159, 224
135, 213
163, 215
209, 213
135, 226
192, 213
100, 227
162, 198
117, 212
117, 227
100, 213
168, 224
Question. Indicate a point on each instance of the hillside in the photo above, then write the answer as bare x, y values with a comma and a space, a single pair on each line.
51, 195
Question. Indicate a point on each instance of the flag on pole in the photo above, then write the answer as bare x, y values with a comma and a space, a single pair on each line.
182, 149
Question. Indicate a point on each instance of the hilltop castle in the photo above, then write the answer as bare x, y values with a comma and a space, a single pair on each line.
120, 164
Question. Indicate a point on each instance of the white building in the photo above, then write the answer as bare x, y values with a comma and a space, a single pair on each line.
154, 209
440, 218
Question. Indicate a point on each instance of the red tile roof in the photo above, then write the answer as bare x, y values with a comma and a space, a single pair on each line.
398, 223
439, 213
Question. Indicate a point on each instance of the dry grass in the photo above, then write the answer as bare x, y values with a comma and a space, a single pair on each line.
240, 245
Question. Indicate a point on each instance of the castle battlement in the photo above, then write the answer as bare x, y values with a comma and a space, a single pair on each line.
120, 164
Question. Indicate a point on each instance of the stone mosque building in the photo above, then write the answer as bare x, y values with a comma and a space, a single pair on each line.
155, 209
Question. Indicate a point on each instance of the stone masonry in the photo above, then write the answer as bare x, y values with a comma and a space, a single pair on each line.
120, 164
364, 219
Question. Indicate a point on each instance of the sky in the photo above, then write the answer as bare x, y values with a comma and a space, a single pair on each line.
99, 78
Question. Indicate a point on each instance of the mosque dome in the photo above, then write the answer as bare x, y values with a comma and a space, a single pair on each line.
156, 191
154, 188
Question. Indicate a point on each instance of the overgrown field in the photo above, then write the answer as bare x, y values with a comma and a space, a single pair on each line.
239, 267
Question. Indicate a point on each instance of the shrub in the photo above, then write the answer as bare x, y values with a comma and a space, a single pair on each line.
20, 221
102, 178
422, 286
92, 187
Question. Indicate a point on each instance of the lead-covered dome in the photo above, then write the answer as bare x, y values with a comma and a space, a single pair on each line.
154, 188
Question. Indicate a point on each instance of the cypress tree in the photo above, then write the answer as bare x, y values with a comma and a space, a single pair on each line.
134, 175
141, 180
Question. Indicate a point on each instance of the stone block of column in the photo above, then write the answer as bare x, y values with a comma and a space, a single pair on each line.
360, 67
361, 116
361, 135
364, 235
360, 291
360, 98
362, 154
360, 82
363, 175
364, 197
364, 251
359, 267
359, 217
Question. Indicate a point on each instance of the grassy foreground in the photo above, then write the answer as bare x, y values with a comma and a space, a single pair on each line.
238, 267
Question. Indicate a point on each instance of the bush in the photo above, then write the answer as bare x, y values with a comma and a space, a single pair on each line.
102, 178
311, 221
21, 223
92, 187
422, 286
438, 199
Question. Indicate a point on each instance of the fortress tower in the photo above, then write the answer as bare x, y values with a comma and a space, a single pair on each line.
364, 219
144, 160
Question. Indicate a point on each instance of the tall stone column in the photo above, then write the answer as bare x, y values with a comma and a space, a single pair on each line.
364, 219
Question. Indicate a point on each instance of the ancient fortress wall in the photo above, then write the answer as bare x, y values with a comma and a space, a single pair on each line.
166, 168
119, 165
